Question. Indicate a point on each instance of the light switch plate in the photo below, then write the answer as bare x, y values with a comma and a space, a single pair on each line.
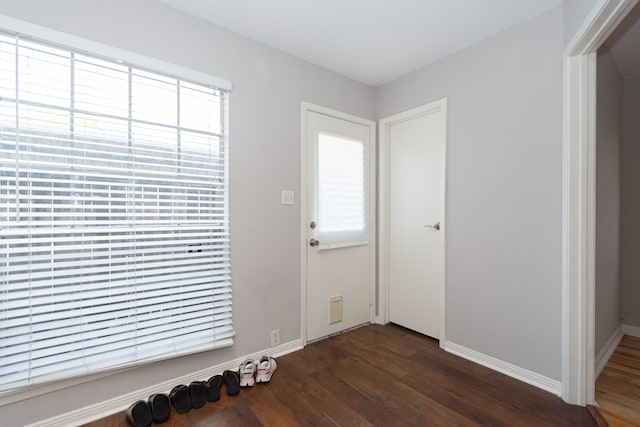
288, 197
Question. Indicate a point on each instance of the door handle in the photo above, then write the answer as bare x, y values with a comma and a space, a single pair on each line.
435, 226
313, 242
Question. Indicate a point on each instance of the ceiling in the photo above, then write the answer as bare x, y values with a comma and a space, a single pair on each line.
624, 44
371, 41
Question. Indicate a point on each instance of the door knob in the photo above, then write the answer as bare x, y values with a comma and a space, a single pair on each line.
314, 242
435, 226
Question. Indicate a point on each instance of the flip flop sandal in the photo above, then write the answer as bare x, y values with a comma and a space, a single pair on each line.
160, 406
198, 393
180, 398
232, 380
139, 414
215, 384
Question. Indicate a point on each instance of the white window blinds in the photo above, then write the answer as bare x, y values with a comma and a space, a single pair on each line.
341, 193
114, 229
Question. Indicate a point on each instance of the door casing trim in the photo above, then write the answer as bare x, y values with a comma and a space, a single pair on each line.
304, 179
578, 199
439, 105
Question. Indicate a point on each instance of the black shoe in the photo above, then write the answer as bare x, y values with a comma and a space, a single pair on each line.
215, 384
198, 393
180, 398
160, 406
232, 380
139, 414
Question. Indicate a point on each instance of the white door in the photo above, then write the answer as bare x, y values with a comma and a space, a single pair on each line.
339, 240
416, 153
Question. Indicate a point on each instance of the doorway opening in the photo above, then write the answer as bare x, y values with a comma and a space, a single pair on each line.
617, 290
579, 204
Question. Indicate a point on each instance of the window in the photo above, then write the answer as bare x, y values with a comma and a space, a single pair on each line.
341, 197
114, 229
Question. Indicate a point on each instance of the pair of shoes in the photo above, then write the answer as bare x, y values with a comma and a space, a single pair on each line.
194, 396
250, 372
184, 398
157, 410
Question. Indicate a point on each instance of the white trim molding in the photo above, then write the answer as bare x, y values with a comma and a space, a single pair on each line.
605, 353
127, 57
579, 192
578, 222
439, 105
521, 374
121, 403
632, 331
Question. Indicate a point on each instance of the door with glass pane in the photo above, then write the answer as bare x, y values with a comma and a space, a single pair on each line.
339, 223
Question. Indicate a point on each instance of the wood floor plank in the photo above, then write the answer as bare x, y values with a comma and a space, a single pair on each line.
376, 409
269, 409
393, 395
443, 370
618, 386
315, 396
424, 378
381, 376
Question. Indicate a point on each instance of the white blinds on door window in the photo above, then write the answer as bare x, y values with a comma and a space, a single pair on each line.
341, 193
114, 229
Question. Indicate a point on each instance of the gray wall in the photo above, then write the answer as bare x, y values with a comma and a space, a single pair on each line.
608, 144
504, 189
575, 12
265, 159
630, 249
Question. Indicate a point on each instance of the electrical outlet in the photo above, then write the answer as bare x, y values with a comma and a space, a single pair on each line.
275, 337
288, 197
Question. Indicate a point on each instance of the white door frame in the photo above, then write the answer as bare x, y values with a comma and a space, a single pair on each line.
383, 213
305, 177
579, 192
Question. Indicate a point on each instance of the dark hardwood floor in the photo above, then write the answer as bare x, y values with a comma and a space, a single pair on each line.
380, 376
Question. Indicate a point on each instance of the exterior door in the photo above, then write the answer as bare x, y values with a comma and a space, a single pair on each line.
339, 238
416, 153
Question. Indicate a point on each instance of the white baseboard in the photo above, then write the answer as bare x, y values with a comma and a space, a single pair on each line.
521, 374
605, 353
121, 403
633, 331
